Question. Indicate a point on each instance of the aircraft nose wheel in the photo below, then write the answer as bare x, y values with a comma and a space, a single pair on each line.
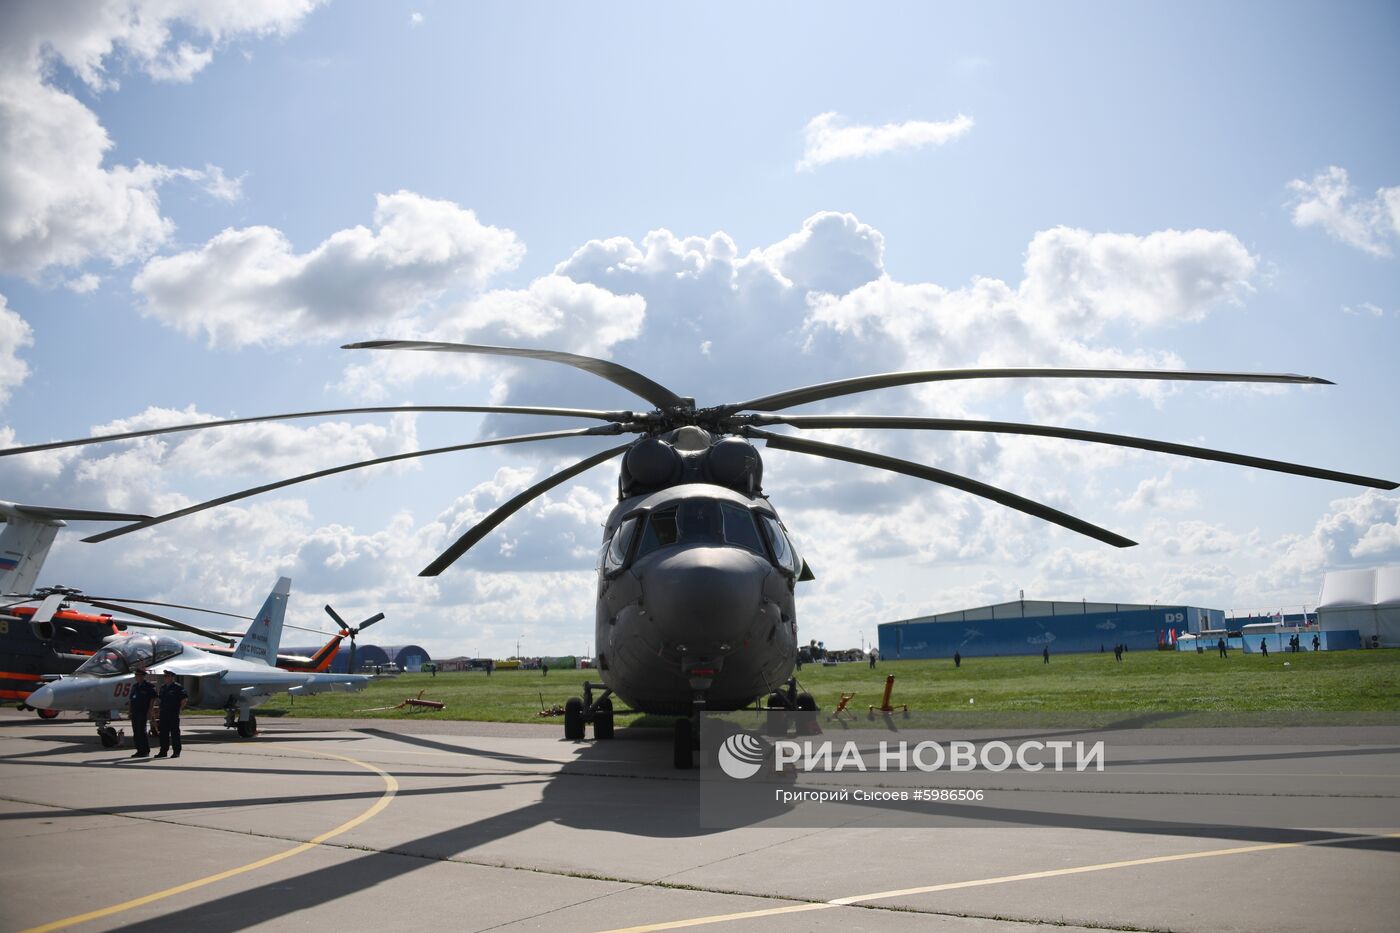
573, 719
109, 737
248, 729
603, 720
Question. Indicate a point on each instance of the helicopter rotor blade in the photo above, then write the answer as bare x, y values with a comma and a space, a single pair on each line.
152, 602
47, 608
613, 428
616, 373
303, 628
75, 515
377, 617
80, 515
484, 527
825, 390
895, 465
143, 614
336, 616
1095, 437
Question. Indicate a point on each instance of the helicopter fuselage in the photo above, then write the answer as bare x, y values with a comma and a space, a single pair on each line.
695, 600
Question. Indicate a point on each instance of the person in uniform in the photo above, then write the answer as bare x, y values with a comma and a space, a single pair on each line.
172, 699
143, 697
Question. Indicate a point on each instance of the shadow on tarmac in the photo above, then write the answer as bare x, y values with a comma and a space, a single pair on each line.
585, 794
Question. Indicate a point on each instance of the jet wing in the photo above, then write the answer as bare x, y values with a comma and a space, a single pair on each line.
294, 682
328, 683
190, 667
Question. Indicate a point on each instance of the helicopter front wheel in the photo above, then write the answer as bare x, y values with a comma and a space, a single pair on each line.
603, 719
573, 719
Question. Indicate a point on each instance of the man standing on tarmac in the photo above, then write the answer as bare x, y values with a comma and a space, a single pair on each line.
143, 696
172, 699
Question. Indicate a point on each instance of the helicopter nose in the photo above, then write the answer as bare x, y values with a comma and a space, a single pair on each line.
43, 698
704, 597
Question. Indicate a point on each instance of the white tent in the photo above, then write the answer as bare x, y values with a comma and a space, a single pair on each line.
1365, 600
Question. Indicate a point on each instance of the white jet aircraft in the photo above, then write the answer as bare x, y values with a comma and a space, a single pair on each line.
102, 685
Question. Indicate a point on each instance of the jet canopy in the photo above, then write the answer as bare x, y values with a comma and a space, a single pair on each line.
130, 653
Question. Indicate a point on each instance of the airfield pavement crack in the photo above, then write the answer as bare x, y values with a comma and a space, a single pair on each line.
663, 884
634, 884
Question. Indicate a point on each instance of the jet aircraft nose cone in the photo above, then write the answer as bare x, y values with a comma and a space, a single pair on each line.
705, 595
43, 698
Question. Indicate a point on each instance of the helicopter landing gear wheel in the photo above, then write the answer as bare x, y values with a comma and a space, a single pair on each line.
806, 717
248, 728
47, 713
684, 752
602, 719
109, 737
573, 719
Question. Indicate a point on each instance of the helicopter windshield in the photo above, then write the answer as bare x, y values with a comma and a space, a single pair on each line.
700, 521
130, 653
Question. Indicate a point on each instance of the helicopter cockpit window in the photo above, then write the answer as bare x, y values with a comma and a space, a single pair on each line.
739, 527
660, 531
104, 663
782, 548
616, 554
700, 521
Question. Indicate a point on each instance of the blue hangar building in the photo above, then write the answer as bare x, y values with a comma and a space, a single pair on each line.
1030, 626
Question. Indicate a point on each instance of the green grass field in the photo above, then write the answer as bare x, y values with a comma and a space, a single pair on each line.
1146, 681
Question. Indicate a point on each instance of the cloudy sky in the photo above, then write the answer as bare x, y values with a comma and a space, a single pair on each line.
199, 203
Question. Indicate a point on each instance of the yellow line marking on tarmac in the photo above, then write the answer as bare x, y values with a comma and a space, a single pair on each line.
391, 787
980, 882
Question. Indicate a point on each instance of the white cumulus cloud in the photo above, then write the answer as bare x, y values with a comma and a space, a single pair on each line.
828, 137
1329, 201
248, 286
61, 203
15, 334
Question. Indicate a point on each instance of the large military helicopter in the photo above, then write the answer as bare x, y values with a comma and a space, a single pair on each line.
697, 574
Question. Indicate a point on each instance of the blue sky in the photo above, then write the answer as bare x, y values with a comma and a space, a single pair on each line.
1189, 185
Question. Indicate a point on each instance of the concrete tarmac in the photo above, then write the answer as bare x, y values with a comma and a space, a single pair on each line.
404, 825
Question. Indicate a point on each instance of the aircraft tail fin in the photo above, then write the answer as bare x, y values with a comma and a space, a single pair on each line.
265, 633
321, 660
29, 533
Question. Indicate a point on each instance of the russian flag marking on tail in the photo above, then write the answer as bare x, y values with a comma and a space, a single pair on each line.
265, 634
